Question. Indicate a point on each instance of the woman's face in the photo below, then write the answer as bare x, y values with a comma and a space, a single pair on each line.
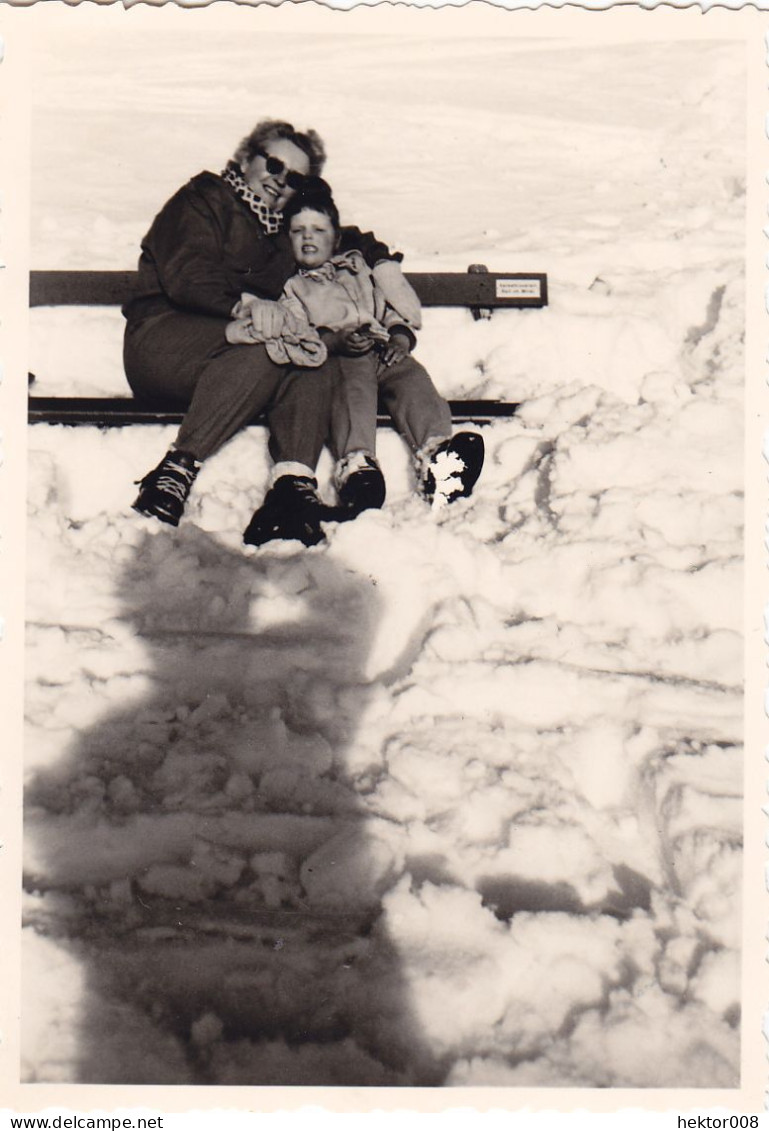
272, 188
312, 236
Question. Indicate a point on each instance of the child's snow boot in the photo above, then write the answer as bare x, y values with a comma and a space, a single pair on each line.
291, 509
360, 485
164, 491
450, 470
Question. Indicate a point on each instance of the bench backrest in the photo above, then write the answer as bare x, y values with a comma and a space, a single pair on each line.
475, 288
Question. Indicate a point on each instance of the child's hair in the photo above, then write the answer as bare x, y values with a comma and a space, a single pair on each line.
315, 193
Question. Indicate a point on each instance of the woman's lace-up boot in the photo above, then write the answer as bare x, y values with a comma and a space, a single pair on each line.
292, 509
164, 491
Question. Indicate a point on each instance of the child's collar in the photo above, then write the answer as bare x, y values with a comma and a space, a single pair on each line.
351, 261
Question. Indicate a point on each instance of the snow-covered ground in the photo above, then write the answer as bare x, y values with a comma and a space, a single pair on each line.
454, 799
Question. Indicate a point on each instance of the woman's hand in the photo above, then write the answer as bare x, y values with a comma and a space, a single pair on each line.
265, 318
396, 349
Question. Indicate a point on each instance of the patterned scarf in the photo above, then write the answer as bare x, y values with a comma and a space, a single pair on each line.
270, 221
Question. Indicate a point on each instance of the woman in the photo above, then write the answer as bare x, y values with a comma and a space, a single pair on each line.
218, 244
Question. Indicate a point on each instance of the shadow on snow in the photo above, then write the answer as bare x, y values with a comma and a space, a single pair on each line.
214, 841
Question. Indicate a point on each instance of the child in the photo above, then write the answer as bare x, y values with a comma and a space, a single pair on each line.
337, 304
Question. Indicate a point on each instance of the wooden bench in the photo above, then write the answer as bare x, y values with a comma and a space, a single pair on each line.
478, 290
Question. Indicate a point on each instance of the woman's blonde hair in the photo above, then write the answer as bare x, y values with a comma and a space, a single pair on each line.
270, 128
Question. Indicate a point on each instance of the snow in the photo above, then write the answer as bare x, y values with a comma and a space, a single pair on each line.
454, 799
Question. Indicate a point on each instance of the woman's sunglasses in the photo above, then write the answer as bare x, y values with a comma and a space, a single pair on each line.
276, 168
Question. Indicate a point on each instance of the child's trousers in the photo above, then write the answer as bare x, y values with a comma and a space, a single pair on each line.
418, 410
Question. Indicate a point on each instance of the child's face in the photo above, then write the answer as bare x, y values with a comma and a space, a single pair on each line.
312, 237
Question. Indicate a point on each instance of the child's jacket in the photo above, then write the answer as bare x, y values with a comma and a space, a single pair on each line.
343, 293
